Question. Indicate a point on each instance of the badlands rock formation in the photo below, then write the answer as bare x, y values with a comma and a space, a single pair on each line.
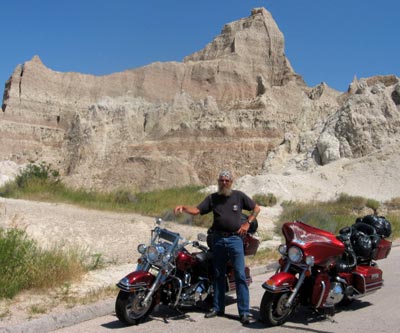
235, 104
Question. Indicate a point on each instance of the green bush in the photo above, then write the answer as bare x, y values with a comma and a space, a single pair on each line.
41, 172
333, 215
393, 204
267, 200
373, 204
330, 216
23, 265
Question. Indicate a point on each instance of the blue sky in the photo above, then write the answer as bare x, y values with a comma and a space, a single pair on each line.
325, 40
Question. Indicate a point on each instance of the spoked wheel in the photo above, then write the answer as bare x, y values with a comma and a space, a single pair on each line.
273, 310
130, 309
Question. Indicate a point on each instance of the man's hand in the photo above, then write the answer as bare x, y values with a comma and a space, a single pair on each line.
243, 229
178, 210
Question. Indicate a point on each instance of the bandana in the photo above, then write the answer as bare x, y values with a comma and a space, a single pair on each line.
225, 174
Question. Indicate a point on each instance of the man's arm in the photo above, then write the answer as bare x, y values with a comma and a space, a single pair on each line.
253, 214
245, 226
187, 209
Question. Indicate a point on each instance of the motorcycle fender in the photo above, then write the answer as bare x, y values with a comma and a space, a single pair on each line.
280, 282
136, 280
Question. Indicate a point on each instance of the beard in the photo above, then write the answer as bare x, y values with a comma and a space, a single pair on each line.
225, 191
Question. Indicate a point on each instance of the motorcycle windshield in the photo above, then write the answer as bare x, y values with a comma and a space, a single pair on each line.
303, 234
313, 241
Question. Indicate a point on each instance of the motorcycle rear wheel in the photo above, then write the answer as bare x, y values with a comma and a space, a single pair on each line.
272, 308
129, 308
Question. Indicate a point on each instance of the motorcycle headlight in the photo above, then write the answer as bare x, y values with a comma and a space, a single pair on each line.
310, 260
141, 248
295, 254
166, 258
282, 249
152, 253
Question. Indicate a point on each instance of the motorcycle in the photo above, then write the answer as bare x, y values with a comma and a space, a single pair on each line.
168, 273
319, 270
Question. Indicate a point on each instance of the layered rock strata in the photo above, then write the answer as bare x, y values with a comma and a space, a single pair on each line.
235, 104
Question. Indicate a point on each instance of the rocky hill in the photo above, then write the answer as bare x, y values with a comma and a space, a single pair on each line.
235, 104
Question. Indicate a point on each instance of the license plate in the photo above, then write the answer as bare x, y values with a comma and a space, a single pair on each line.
153, 271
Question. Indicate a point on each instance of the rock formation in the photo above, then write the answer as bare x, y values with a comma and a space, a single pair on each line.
368, 120
235, 104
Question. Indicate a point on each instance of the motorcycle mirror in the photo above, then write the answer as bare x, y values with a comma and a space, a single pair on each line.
158, 220
201, 237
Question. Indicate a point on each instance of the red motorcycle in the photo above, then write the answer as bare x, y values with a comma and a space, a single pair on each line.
320, 270
168, 273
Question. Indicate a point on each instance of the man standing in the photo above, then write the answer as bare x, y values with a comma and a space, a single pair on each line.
227, 205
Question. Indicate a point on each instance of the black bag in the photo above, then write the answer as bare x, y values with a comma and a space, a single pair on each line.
381, 225
253, 225
362, 246
364, 239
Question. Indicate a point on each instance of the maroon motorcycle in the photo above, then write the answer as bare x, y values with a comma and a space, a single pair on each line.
320, 270
168, 273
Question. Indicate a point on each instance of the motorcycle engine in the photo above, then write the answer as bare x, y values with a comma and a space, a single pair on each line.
195, 293
201, 292
336, 294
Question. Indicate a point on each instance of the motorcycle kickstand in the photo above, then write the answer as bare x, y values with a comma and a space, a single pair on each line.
327, 313
181, 315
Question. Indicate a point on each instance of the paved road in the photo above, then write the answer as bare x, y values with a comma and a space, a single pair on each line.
377, 312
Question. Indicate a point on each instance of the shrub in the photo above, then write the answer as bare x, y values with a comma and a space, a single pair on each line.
373, 204
41, 172
267, 200
393, 203
331, 216
124, 197
23, 265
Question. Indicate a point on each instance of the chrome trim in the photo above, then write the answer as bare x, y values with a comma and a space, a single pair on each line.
296, 288
178, 296
341, 280
123, 285
322, 294
152, 289
274, 289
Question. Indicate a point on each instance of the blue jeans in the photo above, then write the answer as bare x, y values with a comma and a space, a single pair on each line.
225, 248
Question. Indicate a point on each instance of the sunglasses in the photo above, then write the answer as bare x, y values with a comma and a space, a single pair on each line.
224, 180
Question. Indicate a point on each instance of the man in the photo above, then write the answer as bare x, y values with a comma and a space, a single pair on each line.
228, 228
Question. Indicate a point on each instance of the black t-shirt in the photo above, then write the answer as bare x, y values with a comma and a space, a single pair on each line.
227, 210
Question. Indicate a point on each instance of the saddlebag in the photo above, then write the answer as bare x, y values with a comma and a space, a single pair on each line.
367, 279
251, 244
382, 250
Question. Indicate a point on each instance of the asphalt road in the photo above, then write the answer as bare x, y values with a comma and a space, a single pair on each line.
377, 312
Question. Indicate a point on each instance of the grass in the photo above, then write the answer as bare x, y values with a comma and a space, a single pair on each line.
24, 265
336, 214
42, 183
91, 297
263, 256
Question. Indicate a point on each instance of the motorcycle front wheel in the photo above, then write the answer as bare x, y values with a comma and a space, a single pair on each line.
273, 310
129, 307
